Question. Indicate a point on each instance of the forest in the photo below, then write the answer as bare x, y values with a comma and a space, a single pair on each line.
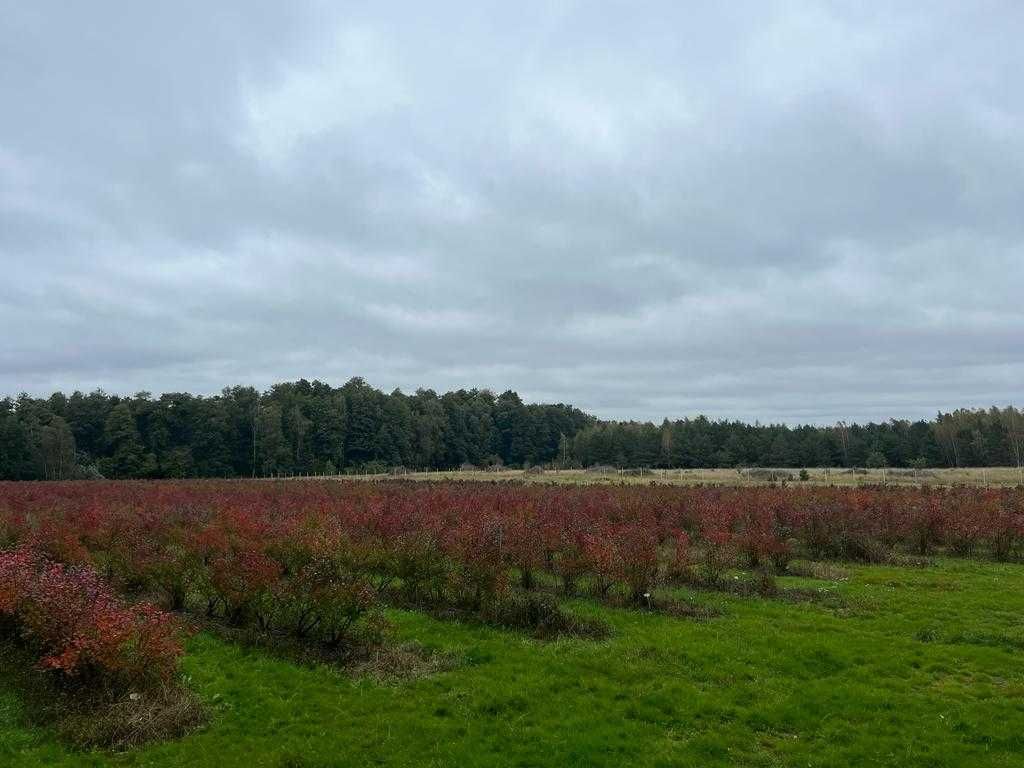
306, 427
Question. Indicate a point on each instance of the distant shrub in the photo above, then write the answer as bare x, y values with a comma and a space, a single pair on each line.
325, 601
419, 564
867, 550
765, 583
540, 613
716, 557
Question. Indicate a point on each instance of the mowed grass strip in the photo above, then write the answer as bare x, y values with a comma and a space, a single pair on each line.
916, 667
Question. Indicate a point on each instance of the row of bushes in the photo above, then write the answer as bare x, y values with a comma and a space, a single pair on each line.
302, 575
315, 559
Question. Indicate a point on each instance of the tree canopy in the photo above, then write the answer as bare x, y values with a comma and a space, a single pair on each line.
306, 427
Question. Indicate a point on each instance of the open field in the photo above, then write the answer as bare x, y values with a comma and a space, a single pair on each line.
924, 668
979, 477
540, 626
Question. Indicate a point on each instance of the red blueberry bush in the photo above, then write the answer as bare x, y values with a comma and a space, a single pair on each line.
69, 615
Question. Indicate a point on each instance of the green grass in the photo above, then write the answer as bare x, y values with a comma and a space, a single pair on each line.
916, 667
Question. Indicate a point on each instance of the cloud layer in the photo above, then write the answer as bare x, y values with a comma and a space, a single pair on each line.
798, 211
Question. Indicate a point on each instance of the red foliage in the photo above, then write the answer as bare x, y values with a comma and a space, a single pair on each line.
314, 557
80, 628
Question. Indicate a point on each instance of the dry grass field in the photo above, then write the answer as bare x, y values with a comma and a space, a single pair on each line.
970, 476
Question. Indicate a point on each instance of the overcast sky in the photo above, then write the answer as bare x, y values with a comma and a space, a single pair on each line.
798, 211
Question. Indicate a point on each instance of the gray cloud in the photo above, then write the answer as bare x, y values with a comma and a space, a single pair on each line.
797, 211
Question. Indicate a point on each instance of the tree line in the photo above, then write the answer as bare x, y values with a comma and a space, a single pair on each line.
962, 438
308, 427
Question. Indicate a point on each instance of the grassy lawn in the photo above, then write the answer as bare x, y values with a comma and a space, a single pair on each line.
913, 667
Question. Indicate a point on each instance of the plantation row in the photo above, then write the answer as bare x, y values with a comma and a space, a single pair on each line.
316, 561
